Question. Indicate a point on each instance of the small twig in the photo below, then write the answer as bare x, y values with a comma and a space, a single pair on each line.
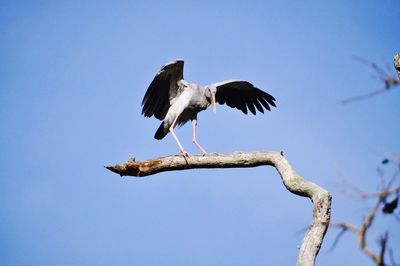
361, 232
363, 96
345, 227
371, 64
371, 195
393, 179
365, 226
389, 81
344, 230
383, 242
348, 185
348, 226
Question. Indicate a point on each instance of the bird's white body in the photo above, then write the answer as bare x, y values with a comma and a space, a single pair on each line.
186, 105
175, 101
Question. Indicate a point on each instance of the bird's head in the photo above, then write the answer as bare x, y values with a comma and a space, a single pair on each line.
211, 90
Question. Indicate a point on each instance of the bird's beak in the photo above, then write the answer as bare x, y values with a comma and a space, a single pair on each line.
214, 105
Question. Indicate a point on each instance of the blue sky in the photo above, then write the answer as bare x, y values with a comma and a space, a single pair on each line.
73, 74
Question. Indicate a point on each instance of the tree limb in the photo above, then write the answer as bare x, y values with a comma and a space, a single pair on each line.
363, 230
389, 80
363, 96
293, 182
383, 242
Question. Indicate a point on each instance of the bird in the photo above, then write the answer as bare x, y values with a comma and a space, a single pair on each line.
175, 101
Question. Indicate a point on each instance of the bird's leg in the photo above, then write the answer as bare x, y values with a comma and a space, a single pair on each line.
194, 123
181, 149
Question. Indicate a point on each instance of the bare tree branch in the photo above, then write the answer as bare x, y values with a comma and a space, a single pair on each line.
387, 191
363, 230
389, 80
344, 228
363, 96
383, 242
371, 64
293, 182
348, 226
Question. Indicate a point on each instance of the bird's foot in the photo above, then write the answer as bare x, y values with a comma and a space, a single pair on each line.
203, 152
184, 153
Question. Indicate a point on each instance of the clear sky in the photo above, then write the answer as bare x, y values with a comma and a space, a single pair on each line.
72, 77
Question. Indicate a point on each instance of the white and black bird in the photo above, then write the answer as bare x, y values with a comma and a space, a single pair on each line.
175, 101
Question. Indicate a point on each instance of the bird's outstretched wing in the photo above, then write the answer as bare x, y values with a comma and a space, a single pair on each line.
162, 89
242, 95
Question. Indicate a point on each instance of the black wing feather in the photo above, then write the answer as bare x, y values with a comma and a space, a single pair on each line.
242, 95
258, 106
250, 104
265, 104
164, 86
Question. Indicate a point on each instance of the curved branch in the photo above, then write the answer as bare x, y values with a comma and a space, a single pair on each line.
363, 231
389, 80
293, 182
363, 96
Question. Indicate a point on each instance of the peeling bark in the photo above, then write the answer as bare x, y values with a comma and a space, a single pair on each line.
293, 182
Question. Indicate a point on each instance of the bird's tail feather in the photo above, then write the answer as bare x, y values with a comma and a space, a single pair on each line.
161, 132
